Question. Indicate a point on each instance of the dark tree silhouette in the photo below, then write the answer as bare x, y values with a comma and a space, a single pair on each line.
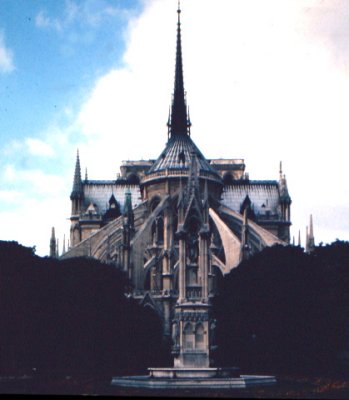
71, 317
284, 309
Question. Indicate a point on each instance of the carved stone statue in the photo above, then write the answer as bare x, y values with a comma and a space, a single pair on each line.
213, 325
175, 334
193, 248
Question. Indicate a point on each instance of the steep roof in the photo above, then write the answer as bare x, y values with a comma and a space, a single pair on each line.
177, 155
100, 192
264, 195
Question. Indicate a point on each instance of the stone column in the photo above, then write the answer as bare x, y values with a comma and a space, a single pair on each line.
166, 261
181, 271
204, 261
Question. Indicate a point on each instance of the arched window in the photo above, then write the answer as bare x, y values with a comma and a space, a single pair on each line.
228, 178
154, 202
153, 233
181, 157
160, 224
188, 337
199, 337
175, 226
133, 179
147, 276
76, 235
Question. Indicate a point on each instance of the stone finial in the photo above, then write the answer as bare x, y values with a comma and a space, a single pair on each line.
53, 244
128, 210
63, 250
77, 190
306, 240
311, 239
280, 170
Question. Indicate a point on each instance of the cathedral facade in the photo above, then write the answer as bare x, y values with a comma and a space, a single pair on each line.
177, 224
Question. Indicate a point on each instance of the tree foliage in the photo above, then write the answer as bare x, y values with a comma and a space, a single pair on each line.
285, 309
71, 317
282, 309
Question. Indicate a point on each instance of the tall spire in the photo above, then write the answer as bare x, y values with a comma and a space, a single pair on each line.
77, 184
179, 123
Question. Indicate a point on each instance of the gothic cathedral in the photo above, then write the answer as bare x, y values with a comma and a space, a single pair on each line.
178, 224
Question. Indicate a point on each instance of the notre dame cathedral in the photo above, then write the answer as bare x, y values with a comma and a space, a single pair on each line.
179, 223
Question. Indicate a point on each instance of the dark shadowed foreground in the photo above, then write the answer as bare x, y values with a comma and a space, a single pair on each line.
288, 387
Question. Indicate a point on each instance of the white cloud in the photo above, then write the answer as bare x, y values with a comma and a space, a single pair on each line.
43, 21
33, 202
10, 196
37, 147
34, 182
78, 22
9, 172
6, 56
88, 12
31, 224
71, 11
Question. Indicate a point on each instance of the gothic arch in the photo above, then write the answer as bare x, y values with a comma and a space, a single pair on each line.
157, 230
133, 179
188, 336
228, 178
160, 228
76, 234
154, 202
148, 301
199, 336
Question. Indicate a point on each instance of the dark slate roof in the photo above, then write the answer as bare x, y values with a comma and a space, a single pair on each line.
99, 193
249, 182
263, 194
177, 154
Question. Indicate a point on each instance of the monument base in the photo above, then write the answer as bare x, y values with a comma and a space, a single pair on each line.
193, 378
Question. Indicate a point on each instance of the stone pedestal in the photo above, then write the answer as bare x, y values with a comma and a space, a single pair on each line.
191, 378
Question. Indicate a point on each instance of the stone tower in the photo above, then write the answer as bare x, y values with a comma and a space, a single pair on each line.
192, 322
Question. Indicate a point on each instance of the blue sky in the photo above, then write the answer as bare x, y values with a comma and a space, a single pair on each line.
266, 81
58, 48
52, 54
